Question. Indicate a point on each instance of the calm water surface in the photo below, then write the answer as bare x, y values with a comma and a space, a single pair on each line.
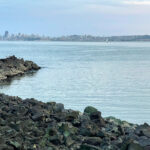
114, 77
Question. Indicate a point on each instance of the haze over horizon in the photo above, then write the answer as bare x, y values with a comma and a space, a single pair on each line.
67, 17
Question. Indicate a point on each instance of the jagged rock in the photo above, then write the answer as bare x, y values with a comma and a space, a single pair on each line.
89, 129
143, 130
13, 66
94, 115
70, 117
97, 118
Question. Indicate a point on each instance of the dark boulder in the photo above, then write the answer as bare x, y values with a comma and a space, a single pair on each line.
89, 110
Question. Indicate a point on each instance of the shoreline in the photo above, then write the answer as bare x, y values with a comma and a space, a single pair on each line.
33, 125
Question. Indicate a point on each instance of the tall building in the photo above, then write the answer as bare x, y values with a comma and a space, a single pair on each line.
6, 34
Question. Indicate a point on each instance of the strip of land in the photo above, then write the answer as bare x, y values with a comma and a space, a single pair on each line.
73, 38
33, 125
12, 66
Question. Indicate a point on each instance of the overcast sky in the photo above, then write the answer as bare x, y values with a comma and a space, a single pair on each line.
66, 17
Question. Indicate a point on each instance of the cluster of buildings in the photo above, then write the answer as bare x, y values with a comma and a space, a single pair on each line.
22, 37
82, 38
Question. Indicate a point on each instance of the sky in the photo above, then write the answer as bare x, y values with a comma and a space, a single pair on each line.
67, 17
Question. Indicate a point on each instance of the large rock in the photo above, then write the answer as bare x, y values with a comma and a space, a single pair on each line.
12, 66
94, 115
143, 130
89, 110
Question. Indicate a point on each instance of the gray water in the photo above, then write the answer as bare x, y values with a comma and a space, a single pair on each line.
113, 77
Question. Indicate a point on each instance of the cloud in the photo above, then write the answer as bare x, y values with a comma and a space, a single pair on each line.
135, 2
120, 10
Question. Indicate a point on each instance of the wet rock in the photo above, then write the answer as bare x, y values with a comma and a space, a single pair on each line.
89, 129
119, 122
70, 117
89, 110
12, 66
94, 115
59, 107
143, 130
97, 118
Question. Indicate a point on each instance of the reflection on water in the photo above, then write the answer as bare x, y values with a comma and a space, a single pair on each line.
114, 77
9, 81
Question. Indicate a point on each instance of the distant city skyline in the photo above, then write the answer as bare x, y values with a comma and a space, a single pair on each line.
69, 17
80, 38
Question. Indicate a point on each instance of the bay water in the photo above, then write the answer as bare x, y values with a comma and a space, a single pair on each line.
113, 77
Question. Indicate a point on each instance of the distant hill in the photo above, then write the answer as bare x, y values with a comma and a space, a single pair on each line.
75, 38
102, 39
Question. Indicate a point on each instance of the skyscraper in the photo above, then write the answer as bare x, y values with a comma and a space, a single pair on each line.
6, 34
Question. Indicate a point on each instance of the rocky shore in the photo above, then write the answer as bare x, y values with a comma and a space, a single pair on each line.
33, 125
12, 66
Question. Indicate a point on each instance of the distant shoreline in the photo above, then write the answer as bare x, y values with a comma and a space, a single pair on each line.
74, 38
76, 41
